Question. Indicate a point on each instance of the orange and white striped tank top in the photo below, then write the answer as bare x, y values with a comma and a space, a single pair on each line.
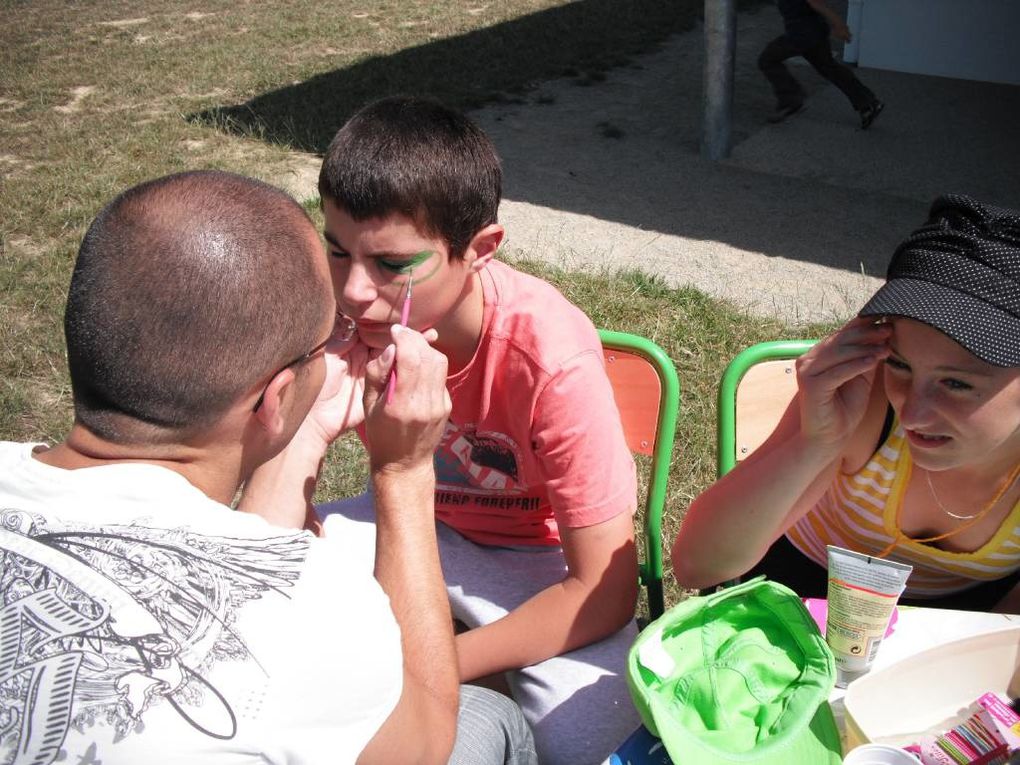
859, 511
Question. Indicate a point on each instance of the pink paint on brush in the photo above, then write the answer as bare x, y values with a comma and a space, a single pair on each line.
405, 314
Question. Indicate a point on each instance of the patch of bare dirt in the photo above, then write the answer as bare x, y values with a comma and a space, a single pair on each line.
78, 95
299, 177
12, 166
214, 93
124, 23
22, 247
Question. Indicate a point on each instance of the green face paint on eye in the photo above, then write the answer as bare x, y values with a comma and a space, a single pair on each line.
418, 259
424, 274
407, 266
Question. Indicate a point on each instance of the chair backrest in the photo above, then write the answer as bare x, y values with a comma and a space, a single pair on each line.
647, 393
755, 389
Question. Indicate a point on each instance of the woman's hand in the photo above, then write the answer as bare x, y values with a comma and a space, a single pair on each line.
835, 379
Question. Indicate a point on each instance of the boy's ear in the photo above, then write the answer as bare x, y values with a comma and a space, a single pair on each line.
483, 246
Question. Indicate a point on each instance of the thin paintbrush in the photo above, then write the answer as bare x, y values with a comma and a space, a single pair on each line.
405, 313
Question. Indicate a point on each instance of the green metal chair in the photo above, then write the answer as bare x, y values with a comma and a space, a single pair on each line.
647, 393
755, 389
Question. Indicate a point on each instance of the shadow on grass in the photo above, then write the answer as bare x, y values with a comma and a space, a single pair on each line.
498, 63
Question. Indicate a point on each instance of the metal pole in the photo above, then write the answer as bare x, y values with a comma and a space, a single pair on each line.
720, 53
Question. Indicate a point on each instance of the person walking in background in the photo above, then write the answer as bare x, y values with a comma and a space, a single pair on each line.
807, 25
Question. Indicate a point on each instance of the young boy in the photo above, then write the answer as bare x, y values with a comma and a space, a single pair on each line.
535, 485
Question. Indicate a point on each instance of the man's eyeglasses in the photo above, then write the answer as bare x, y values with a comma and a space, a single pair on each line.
343, 332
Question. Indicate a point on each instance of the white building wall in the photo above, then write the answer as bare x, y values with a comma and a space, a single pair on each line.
967, 39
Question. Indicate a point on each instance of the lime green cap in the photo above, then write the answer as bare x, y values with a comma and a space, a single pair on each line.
739, 676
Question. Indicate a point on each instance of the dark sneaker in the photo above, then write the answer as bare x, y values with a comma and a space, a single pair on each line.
870, 114
782, 112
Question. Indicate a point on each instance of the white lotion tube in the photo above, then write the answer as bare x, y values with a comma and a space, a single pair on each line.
862, 595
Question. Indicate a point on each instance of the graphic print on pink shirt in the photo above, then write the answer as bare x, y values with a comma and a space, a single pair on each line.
466, 459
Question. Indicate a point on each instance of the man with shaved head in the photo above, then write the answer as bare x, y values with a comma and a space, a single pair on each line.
142, 620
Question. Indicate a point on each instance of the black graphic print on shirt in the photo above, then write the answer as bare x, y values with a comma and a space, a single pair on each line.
99, 624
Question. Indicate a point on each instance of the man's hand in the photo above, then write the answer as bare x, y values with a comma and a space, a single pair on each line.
404, 432
281, 490
339, 405
402, 435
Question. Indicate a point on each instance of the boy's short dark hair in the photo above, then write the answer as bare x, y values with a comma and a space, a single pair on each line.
187, 292
415, 157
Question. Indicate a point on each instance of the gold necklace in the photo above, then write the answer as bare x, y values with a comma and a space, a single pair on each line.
943, 508
971, 520
998, 495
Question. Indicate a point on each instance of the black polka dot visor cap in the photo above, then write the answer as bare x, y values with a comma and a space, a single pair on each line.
960, 273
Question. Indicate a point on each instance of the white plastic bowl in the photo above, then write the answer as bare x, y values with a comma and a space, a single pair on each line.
930, 692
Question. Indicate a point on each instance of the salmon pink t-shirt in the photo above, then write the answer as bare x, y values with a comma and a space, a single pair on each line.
534, 441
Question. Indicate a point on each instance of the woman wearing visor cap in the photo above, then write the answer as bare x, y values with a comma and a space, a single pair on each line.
903, 440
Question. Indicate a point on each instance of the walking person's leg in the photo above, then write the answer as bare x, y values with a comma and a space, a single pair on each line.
789, 93
864, 102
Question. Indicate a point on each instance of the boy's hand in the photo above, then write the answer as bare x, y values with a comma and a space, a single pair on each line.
404, 433
835, 380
